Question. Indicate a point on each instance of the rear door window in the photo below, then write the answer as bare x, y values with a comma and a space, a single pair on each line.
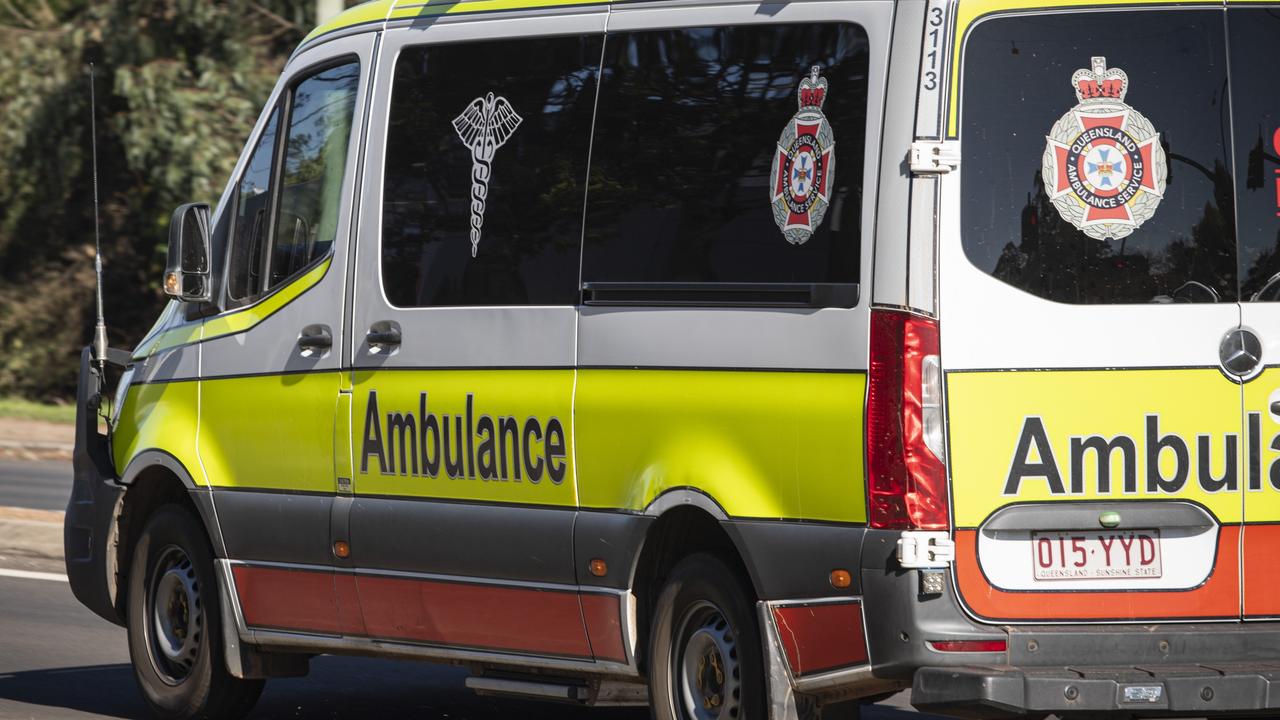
1255, 106
690, 179
1091, 178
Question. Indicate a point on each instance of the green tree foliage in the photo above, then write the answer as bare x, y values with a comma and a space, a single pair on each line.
179, 85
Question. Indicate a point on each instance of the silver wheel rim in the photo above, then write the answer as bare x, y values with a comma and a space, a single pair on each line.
707, 665
175, 616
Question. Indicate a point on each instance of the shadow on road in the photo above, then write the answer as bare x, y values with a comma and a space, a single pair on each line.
104, 690
338, 688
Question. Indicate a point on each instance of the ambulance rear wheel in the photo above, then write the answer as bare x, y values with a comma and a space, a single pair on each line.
704, 646
174, 625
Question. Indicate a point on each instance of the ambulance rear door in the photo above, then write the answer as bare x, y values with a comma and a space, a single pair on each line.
1252, 30
1088, 314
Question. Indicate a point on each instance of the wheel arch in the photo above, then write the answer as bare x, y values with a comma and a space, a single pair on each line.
686, 521
155, 478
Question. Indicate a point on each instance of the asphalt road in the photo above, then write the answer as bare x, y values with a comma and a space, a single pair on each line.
36, 484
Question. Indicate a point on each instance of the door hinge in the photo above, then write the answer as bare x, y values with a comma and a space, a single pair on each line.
925, 549
934, 157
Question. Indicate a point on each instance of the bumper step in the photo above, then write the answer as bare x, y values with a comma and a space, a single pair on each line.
1162, 690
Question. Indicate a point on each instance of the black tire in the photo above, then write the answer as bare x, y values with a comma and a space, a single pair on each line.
705, 655
177, 653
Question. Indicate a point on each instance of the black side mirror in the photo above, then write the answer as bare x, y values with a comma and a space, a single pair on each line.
186, 274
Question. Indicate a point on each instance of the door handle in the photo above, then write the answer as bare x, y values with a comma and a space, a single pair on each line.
315, 337
386, 337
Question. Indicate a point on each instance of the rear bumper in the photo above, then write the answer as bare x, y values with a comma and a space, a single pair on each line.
1162, 691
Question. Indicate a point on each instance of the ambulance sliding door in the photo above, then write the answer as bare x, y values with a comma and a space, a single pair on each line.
1253, 30
463, 346
1087, 308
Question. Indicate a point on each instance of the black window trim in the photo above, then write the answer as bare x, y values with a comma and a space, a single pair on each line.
284, 105
721, 294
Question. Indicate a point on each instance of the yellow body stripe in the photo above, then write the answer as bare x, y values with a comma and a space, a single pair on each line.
1198, 409
159, 416
761, 444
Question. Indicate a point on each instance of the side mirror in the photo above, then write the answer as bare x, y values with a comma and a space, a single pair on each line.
186, 274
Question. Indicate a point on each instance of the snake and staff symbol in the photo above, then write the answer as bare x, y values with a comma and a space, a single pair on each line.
484, 126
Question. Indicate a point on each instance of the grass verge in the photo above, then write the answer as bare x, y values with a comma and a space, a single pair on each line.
27, 410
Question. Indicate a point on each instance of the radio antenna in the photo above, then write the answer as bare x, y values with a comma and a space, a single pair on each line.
100, 329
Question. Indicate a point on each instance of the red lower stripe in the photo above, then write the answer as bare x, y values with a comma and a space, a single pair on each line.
602, 614
544, 622
821, 637
494, 617
288, 599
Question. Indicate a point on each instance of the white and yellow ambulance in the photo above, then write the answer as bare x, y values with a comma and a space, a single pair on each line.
737, 358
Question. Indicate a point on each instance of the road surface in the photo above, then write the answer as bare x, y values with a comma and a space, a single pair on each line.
36, 484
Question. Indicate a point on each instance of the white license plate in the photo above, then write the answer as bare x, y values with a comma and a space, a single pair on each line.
1095, 554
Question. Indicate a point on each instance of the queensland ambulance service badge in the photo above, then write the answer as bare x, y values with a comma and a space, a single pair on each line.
1103, 165
804, 167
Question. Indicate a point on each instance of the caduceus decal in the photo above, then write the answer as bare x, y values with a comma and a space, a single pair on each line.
484, 126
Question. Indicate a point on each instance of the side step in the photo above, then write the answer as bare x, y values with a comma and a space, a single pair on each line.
604, 693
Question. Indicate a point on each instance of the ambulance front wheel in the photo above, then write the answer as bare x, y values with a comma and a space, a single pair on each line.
174, 625
704, 646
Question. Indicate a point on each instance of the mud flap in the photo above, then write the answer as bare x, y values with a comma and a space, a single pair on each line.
784, 702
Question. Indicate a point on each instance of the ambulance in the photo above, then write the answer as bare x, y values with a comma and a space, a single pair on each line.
742, 360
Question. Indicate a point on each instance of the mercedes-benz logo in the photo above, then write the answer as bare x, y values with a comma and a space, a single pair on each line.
1240, 352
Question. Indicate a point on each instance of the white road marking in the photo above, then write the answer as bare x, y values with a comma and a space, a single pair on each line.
30, 575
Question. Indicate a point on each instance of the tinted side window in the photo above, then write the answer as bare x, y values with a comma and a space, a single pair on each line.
315, 161
705, 167
485, 164
1100, 181
253, 202
1255, 87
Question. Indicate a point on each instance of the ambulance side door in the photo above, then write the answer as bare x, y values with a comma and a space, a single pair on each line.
270, 372
463, 340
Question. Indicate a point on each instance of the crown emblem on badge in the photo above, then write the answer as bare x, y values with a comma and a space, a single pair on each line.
813, 90
804, 164
1103, 166
1100, 83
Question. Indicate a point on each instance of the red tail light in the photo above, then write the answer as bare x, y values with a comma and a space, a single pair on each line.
907, 480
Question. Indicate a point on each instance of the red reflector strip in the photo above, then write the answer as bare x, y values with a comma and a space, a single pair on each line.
969, 645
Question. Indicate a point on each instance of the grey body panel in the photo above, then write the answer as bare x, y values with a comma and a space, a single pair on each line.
900, 621
889, 285
173, 364
275, 526
615, 537
467, 539
774, 339
789, 560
